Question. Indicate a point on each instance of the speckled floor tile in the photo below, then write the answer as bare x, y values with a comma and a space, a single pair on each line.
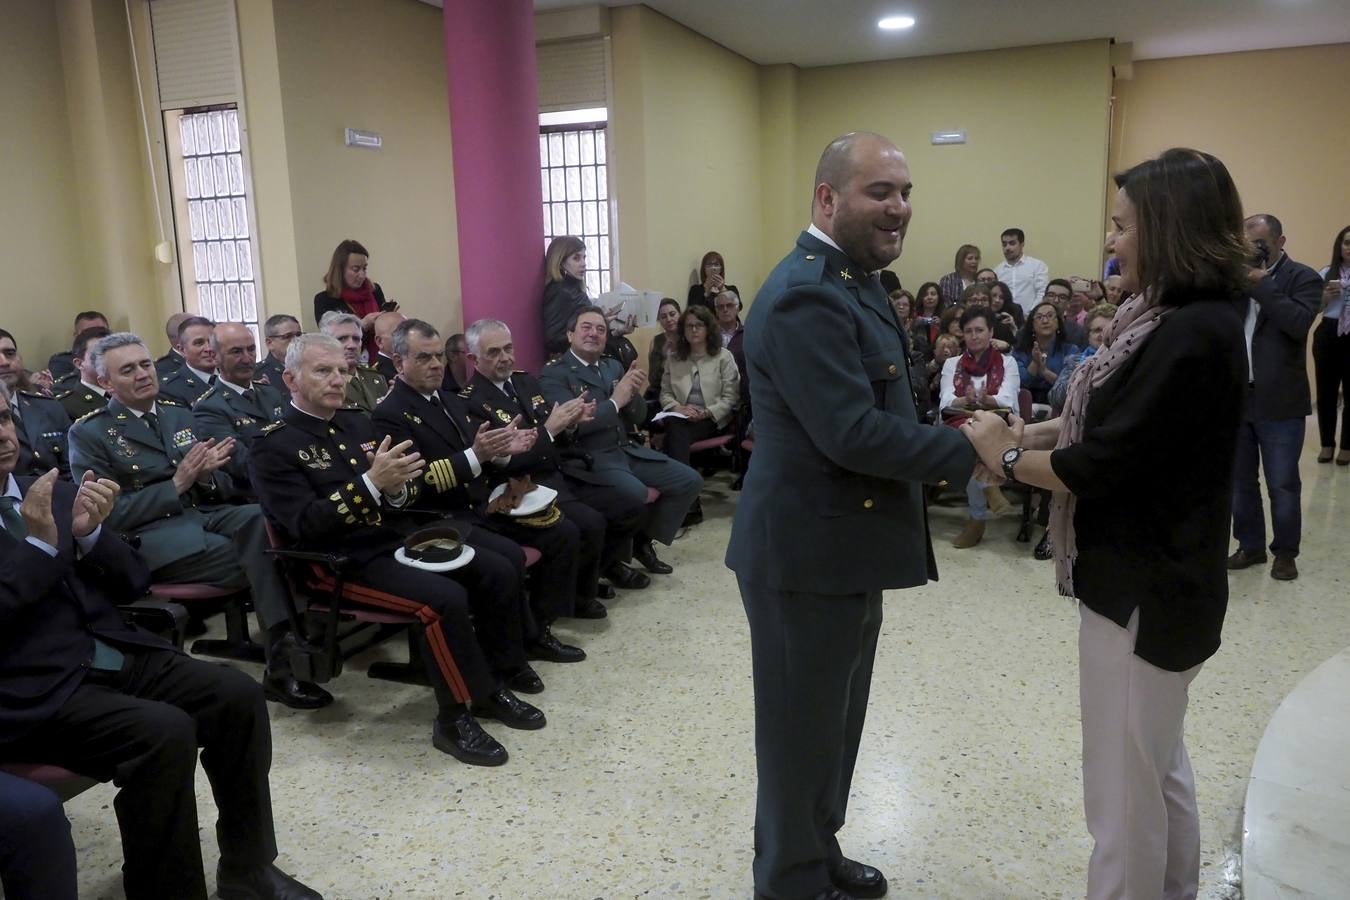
642, 785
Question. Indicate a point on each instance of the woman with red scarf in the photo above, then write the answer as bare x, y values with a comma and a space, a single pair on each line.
348, 290
980, 378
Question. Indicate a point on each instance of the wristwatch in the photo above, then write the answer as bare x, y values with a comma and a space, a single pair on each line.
1009, 459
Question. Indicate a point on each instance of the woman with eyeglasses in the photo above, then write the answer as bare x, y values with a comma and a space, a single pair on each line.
1040, 351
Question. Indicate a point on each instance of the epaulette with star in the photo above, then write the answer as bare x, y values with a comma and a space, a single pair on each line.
89, 415
169, 401
209, 391
268, 429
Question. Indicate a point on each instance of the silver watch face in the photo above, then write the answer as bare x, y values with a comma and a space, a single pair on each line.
1010, 456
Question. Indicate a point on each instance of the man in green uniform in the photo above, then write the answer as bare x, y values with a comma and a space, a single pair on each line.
238, 406
367, 386
83, 395
278, 332
198, 371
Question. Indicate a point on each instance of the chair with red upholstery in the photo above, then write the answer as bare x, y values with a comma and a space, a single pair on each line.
237, 643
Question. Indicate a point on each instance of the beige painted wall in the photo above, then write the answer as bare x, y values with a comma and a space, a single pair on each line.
1035, 157
1286, 143
40, 226
343, 63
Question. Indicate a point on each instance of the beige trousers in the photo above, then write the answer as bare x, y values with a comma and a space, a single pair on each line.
1138, 788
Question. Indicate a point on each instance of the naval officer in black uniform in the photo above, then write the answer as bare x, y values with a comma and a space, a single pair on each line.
832, 510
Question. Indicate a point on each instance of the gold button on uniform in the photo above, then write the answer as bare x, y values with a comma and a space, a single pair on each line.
867, 504
891, 370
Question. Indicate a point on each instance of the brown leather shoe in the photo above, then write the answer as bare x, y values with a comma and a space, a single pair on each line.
1284, 569
971, 535
1245, 559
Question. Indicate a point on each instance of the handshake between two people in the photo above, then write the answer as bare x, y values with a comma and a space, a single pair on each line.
991, 436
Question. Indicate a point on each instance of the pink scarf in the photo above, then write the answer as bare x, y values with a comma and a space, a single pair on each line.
1136, 319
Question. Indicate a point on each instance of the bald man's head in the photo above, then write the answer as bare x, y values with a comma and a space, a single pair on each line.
236, 353
861, 197
385, 323
172, 325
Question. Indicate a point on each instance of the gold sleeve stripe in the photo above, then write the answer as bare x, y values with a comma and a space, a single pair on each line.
441, 475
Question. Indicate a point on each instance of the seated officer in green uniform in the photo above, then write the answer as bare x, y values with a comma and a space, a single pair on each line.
41, 422
237, 406
82, 395
198, 371
366, 386
278, 332
179, 501
173, 360
62, 365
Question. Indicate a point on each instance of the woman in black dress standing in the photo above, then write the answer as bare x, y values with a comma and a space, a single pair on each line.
1143, 482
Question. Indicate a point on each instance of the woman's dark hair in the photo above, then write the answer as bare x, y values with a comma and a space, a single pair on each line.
581, 311
559, 249
667, 301
1190, 226
978, 312
948, 317
712, 334
1009, 304
923, 289
974, 289
1027, 336
334, 281
1334, 269
708, 259
889, 280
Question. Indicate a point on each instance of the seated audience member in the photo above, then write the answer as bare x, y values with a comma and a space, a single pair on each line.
1040, 351
347, 288
663, 345
564, 290
62, 365
902, 301
86, 691
459, 456
1005, 308
278, 332
41, 423
1112, 292
181, 504
986, 277
173, 360
703, 386
962, 276
495, 395
614, 471
365, 385
37, 856
198, 371
950, 323
1097, 322
83, 395
712, 270
980, 378
1058, 293
385, 323
728, 309
351, 503
980, 295
238, 406
927, 319
456, 349
946, 347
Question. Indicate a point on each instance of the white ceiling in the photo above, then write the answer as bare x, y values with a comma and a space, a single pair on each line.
830, 32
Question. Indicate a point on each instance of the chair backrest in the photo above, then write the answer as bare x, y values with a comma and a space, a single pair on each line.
1024, 405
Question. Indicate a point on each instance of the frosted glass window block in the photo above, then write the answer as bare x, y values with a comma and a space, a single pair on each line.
229, 261
188, 135
574, 218
200, 271
222, 176
212, 220
213, 268
604, 252
240, 217
600, 148
593, 283
543, 152
232, 130
257, 341
602, 182
592, 251
588, 218
571, 150
604, 218
203, 133
573, 184
543, 184
217, 120
236, 309
588, 183
245, 260
236, 166
559, 219
201, 173
587, 148
225, 214
190, 170
604, 282
559, 182
196, 223
218, 300
555, 149
249, 300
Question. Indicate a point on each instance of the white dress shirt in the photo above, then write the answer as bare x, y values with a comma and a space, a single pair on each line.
1027, 279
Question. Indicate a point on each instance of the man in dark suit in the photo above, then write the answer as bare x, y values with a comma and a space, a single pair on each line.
82, 689
614, 471
198, 372
1285, 299
278, 332
328, 482
82, 395
832, 510
41, 423
459, 457
496, 394
238, 406
173, 360
62, 365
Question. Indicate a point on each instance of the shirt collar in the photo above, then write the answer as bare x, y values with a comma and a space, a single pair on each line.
822, 237
580, 360
310, 414
154, 408
230, 384
204, 376
1275, 265
95, 388
12, 488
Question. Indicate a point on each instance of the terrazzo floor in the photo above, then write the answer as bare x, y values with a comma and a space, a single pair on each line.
642, 785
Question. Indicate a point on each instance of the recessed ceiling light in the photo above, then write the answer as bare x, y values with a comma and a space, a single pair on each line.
895, 23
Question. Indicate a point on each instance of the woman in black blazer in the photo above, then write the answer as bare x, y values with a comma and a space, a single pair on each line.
1142, 471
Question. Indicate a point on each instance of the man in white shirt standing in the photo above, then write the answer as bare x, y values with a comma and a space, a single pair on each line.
1026, 275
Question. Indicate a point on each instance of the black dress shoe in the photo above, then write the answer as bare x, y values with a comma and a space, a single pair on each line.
858, 880
628, 578
288, 690
1285, 569
511, 711
645, 553
604, 591
591, 609
830, 893
1245, 559
693, 517
1044, 549
548, 648
464, 739
527, 681
260, 883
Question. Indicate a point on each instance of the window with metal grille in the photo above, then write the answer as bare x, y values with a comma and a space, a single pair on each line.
574, 174
212, 197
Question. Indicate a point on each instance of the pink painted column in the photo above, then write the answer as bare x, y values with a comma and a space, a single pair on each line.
494, 132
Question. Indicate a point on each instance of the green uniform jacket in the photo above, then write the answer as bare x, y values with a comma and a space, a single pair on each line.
79, 400
183, 386
223, 412
366, 388
41, 430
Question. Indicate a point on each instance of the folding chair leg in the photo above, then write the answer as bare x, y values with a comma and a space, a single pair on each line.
411, 672
1024, 533
238, 644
